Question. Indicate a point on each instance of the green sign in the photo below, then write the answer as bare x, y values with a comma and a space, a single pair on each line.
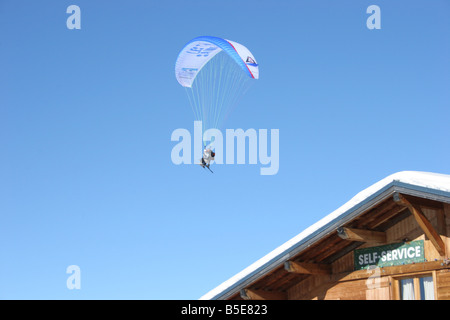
389, 255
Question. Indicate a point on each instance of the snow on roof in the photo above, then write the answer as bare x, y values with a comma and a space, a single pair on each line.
438, 183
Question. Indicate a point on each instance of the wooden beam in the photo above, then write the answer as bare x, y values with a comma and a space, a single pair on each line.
307, 268
390, 271
423, 222
361, 235
250, 294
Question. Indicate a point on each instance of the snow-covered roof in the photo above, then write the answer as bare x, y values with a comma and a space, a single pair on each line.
426, 184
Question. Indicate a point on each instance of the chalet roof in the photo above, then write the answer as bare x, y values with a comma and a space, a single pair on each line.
426, 185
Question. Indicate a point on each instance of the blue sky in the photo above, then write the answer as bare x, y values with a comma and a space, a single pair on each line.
86, 117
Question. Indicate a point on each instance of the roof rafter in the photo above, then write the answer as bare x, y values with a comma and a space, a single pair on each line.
362, 235
307, 268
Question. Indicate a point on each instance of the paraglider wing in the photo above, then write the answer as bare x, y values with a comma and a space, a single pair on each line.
199, 51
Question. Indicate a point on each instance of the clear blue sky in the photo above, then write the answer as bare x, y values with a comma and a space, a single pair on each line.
86, 117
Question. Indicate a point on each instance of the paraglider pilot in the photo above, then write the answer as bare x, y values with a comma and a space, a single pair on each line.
208, 155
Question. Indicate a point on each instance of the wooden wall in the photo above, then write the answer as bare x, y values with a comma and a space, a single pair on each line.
443, 284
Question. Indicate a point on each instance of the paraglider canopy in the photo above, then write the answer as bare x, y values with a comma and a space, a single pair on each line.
199, 51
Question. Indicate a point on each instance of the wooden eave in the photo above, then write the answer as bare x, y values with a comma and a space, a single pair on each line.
332, 246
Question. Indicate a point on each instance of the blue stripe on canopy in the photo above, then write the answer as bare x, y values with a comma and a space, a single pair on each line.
227, 47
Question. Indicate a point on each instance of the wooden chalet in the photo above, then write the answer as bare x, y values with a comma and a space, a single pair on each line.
390, 242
